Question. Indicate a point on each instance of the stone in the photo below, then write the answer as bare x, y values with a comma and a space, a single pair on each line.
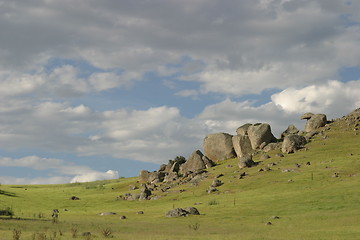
74, 198
122, 217
292, 143
171, 176
259, 133
107, 213
242, 145
218, 147
144, 176
243, 130
216, 183
264, 157
193, 163
307, 115
177, 212
290, 130
140, 212
246, 162
279, 155
192, 211
315, 122
211, 190
271, 146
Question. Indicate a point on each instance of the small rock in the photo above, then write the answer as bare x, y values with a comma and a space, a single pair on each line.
268, 223
260, 170
211, 190
140, 212
335, 175
122, 217
220, 175
216, 183
279, 155
308, 164
275, 217
264, 157
86, 234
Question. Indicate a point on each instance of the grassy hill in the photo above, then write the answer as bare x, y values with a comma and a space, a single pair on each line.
309, 202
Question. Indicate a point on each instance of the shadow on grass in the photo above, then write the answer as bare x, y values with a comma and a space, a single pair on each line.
9, 194
23, 219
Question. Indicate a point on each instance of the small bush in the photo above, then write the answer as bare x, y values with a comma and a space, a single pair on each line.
74, 231
213, 202
194, 226
107, 232
16, 234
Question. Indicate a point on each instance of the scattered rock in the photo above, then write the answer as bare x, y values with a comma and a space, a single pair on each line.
308, 164
107, 213
86, 234
279, 155
268, 223
264, 157
179, 212
194, 163
275, 217
140, 212
122, 217
211, 190
272, 146
74, 198
335, 175
216, 183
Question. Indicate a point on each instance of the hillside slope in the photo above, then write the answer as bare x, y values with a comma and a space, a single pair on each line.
311, 194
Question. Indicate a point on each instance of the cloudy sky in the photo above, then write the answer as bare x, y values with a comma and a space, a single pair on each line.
101, 89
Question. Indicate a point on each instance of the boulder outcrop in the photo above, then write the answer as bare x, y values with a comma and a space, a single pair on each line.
292, 143
195, 163
260, 133
314, 121
290, 130
219, 147
242, 145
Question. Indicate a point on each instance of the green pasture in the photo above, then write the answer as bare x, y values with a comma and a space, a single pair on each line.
309, 201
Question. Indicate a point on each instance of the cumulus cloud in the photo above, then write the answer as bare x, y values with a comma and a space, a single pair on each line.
93, 176
333, 98
65, 171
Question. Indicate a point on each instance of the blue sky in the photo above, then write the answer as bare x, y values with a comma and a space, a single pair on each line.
108, 88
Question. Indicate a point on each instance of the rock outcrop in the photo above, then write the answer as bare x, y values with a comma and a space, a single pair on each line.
260, 133
290, 130
292, 143
179, 212
246, 162
314, 121
197, 161
219, 147
242, 145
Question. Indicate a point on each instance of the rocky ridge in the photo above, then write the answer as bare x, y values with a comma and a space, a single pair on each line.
250, 140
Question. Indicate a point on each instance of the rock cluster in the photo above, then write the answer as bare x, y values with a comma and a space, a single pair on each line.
180, 212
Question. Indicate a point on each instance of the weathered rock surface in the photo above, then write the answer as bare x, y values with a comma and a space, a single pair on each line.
179, 212
219, 147
292, 143
242, 145
243, 130
290, 130
246, 162
197, 161
315, 122
260, 133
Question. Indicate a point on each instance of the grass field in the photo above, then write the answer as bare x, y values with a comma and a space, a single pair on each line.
309, 201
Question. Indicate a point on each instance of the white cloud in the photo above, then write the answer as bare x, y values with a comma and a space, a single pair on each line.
93, 176
66, 171
333, 98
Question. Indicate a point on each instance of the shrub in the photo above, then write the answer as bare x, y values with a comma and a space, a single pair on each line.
107, 232
16, 234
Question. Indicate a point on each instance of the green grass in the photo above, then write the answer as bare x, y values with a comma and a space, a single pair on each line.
313, 205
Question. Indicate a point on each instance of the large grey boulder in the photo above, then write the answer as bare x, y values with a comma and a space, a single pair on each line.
292, 143
219, 147
260, 133
290, 130
242, 145
316, 121
246, 162
243, 130
195, 163
146, 176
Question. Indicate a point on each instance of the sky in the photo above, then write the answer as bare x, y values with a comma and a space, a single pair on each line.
93, 90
